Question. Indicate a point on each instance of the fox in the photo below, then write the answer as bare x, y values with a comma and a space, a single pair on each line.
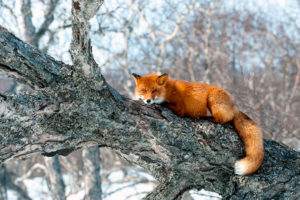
196, 100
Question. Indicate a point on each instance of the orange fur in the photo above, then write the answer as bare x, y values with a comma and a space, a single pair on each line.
192, 99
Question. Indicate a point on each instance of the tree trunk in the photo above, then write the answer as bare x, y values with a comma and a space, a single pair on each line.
3, 185
91, 173
6, 183
73, 106
55, 181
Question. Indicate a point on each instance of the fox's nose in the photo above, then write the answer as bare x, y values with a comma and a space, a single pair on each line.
148, 100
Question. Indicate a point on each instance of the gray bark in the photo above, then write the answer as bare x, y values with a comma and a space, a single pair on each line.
91, 173
73, 106
55, 180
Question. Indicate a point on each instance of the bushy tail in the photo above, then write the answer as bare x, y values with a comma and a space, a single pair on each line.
251, 135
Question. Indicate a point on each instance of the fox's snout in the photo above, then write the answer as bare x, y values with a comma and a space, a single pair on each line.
148, 101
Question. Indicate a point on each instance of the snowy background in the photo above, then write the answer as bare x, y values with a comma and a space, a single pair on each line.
250, 44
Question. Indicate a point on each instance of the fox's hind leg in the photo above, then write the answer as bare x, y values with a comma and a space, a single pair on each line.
220, 106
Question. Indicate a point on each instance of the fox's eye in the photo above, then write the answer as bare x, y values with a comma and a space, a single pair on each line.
155, 90
143, 90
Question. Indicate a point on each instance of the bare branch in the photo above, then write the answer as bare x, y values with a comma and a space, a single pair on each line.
91, 173
169, 37
55, 181
22, 60
49, 17
28, 25
81, 49
79, 110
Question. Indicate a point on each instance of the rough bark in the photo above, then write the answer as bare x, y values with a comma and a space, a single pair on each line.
55, 180
69, 109
91, 173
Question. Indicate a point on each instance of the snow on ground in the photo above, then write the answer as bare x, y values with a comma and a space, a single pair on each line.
38, 190
204, 195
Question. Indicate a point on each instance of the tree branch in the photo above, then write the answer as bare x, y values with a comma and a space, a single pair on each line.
49, 17
28, 25
182, 154
31, 35
81, 50
22, 60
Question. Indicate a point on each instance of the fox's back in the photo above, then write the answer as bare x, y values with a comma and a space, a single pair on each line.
191, 96
190, 89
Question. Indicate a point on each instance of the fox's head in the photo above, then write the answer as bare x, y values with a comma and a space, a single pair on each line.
150, 88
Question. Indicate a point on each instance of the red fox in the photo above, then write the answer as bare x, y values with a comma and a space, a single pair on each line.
193, 99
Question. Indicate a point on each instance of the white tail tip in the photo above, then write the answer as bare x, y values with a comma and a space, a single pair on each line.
240, 168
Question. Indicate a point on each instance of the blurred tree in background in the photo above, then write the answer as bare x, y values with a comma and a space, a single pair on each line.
250, 49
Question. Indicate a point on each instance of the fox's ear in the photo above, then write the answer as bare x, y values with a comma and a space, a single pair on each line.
136, 77
162, 79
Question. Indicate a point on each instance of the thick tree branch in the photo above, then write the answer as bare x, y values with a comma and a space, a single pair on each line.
181, 154
22, 61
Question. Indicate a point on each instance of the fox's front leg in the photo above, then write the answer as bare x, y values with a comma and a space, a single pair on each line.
176, 109
210, 118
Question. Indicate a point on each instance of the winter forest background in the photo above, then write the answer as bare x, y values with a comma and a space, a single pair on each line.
250, 48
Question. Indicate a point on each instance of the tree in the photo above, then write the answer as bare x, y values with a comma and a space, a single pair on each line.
91, 173
3, 187
55, 180
73, 106
250, 53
